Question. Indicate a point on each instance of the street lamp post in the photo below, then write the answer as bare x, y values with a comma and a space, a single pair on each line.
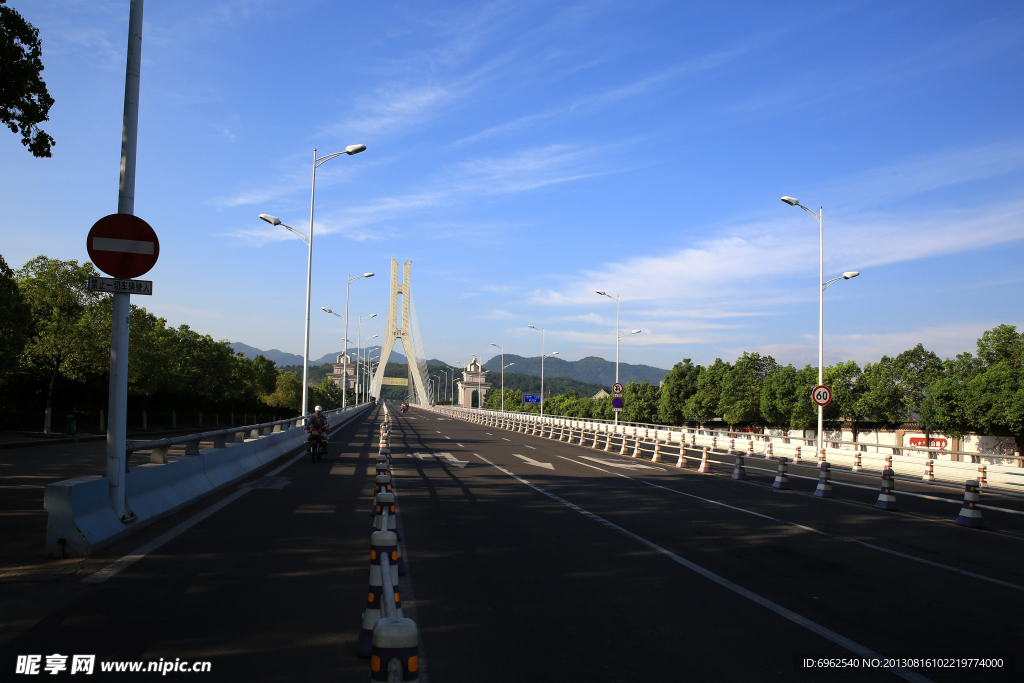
503, 375
360, 379
344, 358
618, 337
453, 383
542, 357
308, 239
793, 201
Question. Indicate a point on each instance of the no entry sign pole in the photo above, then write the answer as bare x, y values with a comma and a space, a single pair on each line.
117, 436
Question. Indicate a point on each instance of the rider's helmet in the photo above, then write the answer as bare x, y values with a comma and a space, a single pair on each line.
318, 409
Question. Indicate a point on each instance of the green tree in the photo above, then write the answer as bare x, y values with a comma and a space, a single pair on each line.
67, 336
844, 381
24, 100
778, 396
995, 396
882, 400
640, 402
741, 388
15, 320
948, 404
287, 392
679, 385
703, 404
805, 411
327, 394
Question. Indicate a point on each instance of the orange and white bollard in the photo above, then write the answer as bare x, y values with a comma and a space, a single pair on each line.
824, 489
705, 466
739, 472
782, 476
929, 470
886, 497
657, 451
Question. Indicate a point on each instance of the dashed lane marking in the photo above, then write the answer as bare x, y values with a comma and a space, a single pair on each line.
504, 439
814, 627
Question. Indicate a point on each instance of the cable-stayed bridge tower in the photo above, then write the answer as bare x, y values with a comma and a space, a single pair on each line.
407, 329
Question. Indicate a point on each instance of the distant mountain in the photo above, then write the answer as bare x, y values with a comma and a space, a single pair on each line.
285, 358
592, 370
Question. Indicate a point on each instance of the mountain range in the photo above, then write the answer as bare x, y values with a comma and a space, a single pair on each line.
284, 358
592, 370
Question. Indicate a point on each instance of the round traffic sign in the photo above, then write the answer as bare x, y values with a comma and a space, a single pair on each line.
617, 402
616, 388
123, 245
821, 395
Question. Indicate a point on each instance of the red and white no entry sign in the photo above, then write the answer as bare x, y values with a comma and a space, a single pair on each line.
821, 395
123, 245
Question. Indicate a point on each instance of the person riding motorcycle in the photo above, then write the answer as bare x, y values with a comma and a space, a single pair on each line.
318, 421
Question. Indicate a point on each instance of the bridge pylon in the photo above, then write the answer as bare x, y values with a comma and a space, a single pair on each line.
406, 329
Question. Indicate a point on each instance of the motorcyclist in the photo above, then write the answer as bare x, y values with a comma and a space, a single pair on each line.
319, 420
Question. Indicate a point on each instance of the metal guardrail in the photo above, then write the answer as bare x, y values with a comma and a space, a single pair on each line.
221, 437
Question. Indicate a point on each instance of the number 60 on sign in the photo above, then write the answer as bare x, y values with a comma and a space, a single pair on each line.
821, 395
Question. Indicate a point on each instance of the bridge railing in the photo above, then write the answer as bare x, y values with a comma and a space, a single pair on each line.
220, 438
907, 462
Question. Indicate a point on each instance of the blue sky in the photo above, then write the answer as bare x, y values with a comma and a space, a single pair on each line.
524, 154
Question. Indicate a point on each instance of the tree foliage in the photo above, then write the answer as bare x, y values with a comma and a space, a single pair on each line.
24, 99
15, 320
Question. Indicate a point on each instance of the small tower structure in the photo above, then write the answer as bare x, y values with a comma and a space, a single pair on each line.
472, 382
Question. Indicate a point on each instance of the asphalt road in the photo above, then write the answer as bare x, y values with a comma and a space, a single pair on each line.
533, 560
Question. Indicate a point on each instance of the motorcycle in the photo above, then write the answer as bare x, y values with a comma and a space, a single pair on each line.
316, 443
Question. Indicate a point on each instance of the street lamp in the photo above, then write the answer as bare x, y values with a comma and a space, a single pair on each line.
344, 358
793, 201
542, 357
308, 239
361, 383
502, 374
618, 337
459, 362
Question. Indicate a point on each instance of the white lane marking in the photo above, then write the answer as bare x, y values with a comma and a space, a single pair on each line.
447, 437
872, 546
488, 434
622, 464
530, 447
725, 583
438, 431
531, 461
140, 552
449, 459
460, 445
504, 439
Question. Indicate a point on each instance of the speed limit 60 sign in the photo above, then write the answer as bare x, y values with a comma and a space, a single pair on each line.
821, 395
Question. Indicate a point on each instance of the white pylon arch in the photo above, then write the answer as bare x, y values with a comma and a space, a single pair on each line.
409, 334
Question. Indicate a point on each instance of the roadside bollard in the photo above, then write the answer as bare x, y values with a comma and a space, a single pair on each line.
561, 433
607, 442
886, 497
383, 468
714, 442
739, 472
750, 449
824, 489
594, 445
382, 483
771, 453
395, 652
681, 463
583, 437
622, 448
857, 467
636, 447
982, 480
782, 476
888, 462
732, 446
382, 501
796, 457
970, 515
380, 542
929, 472
705, 466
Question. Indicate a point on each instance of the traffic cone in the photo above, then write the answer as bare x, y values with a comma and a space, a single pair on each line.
824, 489
739, 472
380, 542
970, 515
705, 466
782, 476
394, 655
886, 497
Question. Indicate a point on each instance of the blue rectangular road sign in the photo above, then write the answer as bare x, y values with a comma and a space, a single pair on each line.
531, 398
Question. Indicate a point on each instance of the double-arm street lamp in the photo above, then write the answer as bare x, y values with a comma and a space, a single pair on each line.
502, 374
542, 357
360, 378
792, 201
308, 239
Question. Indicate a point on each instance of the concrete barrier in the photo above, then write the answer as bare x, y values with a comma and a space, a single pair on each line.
81, 522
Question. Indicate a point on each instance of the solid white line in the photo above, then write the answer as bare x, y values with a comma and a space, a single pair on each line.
460, 445
447, 437
530, 447
879, 548
504, 439
725, 583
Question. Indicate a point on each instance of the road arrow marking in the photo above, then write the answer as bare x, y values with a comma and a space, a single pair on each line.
531, 461
451, 460
622, 464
